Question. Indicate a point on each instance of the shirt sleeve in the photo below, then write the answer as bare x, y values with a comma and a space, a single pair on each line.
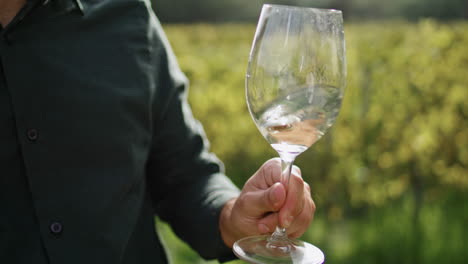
186, 182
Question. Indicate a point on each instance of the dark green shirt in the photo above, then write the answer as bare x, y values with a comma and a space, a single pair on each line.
96, 138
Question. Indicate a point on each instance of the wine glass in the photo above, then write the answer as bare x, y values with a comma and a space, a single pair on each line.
294, 87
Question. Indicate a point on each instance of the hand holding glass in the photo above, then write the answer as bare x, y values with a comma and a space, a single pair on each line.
294, 87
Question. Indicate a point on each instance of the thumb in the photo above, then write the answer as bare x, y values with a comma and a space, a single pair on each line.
260, 202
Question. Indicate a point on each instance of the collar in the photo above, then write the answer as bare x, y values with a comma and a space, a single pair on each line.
28, 6
64, 5
58, 5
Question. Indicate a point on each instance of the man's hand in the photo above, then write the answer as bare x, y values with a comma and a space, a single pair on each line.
265, 203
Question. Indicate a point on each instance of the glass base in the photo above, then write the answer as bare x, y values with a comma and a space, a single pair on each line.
259, 250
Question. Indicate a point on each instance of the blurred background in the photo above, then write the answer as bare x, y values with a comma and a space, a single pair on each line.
391, 178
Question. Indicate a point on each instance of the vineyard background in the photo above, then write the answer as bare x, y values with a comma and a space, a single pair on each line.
390, 180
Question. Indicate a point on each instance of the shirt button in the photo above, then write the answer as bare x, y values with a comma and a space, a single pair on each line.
32, 134
56, 228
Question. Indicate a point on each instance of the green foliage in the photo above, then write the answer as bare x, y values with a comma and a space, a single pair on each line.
406, 111
393, 167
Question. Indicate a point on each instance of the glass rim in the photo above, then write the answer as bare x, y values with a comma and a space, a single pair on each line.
324, 10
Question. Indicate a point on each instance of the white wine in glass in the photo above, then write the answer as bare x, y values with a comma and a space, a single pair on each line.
295, 83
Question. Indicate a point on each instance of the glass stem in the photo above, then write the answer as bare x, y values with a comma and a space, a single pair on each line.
280, 233
278, 237
286, 168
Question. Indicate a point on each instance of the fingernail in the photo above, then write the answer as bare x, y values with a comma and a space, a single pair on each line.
288, 221
263, 228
